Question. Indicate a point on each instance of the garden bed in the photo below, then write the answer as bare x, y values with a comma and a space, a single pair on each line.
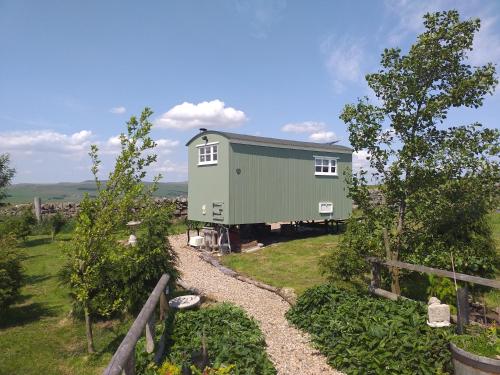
233, 343
361, 334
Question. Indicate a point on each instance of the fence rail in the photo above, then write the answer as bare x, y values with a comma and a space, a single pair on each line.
123, 360
435, 271
462, 293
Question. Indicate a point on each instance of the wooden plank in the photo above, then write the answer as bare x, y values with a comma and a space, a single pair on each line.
126, 350
150, 334
438, 272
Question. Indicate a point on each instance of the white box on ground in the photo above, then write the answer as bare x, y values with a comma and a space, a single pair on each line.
196, 241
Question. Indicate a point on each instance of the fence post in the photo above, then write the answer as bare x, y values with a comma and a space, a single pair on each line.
463, 309
375, 281
163, 304
150, 334
129, 368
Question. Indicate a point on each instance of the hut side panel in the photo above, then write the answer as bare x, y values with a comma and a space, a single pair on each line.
270, 184
208, 184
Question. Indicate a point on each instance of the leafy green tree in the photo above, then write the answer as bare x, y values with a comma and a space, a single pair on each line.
105, 276
6, 174
19, 226
11, 276
438, 181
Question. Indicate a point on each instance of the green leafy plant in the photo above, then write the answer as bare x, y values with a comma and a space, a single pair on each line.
233, 340
105, 276
11, 276
442, 288
6, 174
360, 334
20, 226
480, 341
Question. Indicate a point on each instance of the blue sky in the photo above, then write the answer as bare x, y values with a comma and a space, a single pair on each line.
72, 72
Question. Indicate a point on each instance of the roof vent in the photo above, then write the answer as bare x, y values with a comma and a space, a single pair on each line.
203, 130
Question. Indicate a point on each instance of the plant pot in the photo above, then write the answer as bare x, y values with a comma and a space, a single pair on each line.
466, 363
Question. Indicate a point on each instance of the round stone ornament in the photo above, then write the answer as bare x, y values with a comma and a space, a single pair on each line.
184, 302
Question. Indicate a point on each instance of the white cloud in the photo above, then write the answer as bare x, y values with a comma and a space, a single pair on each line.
304, 127
168, 166
118, 110
213, 114
344, 57
360, 160
113, 145
323, 136
486, 47
263, 14
76, 144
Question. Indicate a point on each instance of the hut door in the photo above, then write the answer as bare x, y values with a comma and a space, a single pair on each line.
218, 211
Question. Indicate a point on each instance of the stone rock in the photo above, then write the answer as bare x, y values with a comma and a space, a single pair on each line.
289, 295
433, 301
439, 314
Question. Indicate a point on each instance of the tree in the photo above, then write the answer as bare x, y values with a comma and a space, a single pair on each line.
11, 275
6, 174
430, 175
107, 277
56, 223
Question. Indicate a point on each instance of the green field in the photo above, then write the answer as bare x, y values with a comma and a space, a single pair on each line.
37, 336
73, 191
293, 264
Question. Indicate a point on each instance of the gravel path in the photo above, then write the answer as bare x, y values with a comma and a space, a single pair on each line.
287, 347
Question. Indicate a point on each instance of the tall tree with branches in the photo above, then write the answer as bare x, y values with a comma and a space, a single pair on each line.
105, 276
429, 173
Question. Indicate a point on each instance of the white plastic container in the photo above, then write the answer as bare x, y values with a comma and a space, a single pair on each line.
196, 241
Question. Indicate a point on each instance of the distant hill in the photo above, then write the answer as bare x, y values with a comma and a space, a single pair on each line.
73, 191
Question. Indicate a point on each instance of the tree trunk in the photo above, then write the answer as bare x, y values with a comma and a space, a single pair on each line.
88, 331
394, 271
395, 287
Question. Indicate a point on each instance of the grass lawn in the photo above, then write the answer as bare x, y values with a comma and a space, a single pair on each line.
293, 264
36, 335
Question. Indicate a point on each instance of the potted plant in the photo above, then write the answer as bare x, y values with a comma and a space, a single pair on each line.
477, 351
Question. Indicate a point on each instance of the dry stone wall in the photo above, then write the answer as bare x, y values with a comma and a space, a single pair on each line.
70, 209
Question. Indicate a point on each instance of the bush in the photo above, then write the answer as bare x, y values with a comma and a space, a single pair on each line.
18, 226
231, 338
347, 260
361, 334
10, 272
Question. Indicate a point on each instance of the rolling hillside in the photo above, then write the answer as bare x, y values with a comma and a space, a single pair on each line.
73, 191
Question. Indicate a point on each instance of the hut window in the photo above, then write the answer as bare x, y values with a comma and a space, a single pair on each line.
208, 153
325, 166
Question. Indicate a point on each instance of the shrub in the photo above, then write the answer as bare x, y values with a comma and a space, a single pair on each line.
361, 334
232, 338
10, 272
18, 226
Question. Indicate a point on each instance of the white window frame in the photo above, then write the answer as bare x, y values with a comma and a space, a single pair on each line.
208, 147
331, 161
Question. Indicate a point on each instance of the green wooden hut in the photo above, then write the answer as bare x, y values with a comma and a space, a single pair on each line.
243, 179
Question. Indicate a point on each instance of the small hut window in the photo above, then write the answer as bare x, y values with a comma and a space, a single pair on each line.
208, 153
325, 166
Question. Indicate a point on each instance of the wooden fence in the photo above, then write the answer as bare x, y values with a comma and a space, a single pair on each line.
462, 293
123, 360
